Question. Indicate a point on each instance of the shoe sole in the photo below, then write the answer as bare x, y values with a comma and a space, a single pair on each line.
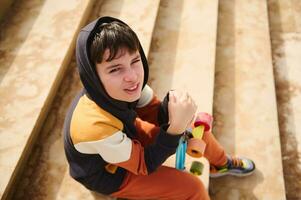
230, 174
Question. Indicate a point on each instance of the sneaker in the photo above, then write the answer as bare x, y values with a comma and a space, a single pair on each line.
236, 166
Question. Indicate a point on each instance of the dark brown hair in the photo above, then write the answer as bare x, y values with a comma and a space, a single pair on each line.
113, 36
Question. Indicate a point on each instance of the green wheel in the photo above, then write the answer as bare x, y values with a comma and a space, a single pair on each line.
196, 168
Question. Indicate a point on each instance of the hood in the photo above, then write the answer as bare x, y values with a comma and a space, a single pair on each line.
90, 80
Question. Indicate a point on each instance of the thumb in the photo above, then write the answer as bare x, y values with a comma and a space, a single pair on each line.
172, 97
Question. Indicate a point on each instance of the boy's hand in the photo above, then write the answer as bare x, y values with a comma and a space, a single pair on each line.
181, 110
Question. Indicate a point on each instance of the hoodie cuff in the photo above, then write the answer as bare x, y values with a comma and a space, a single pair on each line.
163, 110
166, 139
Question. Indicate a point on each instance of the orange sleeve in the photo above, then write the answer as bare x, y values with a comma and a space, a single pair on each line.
145, 160
146, 131
149, 112
136, 164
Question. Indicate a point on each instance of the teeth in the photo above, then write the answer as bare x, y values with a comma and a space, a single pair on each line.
133, 88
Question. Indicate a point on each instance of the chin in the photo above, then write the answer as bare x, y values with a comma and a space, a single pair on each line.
132, 99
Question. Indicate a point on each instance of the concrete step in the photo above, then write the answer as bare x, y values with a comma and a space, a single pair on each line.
285, 28
245, 106
183, 52
35, 50
244, 101
4, 8
139, 15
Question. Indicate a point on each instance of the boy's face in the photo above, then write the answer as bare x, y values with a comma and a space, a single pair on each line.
123, 76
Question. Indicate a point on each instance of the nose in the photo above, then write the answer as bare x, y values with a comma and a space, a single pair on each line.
130, 75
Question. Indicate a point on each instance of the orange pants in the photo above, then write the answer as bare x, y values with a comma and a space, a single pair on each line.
170, 183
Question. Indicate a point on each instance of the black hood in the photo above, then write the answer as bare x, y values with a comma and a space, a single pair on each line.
91, 82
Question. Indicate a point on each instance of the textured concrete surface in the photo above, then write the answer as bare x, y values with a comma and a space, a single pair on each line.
139, 15
44, 172
4, 7
34, 55
183, 50
285, 28
182, 56
245, 103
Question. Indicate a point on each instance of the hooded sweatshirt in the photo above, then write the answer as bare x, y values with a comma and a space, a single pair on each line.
104, 138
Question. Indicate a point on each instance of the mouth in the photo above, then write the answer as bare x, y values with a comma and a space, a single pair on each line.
133, 89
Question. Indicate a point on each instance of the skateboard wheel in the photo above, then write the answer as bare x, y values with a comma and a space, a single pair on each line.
196, 168
204, 119
196, 147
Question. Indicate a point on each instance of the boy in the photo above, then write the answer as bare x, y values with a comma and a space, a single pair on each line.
117, 134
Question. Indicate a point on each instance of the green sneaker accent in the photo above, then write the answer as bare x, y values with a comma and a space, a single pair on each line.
236, 166
223, 170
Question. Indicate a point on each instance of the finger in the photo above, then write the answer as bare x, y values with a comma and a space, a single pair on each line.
184, 96
189, 99
196, 108
187, 96
172, 97
193, 102
190, 123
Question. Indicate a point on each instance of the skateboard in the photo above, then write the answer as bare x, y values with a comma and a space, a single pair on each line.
191, 148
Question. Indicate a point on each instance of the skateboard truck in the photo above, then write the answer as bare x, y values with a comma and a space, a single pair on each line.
192, 143
196, 145
181, 152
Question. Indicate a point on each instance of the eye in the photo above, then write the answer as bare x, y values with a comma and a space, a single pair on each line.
116, 69
137, 60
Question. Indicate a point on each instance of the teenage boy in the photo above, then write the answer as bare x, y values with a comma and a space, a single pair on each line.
117, 133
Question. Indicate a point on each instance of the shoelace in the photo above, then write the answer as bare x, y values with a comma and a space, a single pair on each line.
233, 162
236, 162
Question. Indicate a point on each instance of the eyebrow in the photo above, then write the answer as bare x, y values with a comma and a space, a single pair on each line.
113, 66
136, 57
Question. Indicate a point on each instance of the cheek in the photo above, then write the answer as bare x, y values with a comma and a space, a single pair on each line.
108, 83
141, 73
112, 87
111, 83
